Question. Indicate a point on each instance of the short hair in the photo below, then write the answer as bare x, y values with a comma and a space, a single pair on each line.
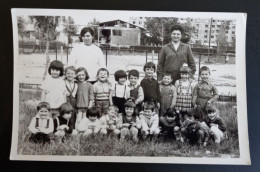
65, 108
70, 68
93, 111
149, 105
102, 69
85, 30
149, 65
85, 71
167, 74
210, 109
120, 74
130, 103
185, 69
56, 64
113, 107
204, 68
172, 112
133, 72
43, 105
177, 27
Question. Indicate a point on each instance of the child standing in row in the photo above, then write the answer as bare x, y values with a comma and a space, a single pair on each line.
168, 94
130, 122
121, 91
53, 88
41, 125
150, 85
85, 94
204, 92
103, 91
72, 87
136, 91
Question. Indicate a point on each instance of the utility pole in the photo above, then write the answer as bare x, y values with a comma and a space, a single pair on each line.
209, 38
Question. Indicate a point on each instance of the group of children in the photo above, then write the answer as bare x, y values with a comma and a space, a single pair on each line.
72, 106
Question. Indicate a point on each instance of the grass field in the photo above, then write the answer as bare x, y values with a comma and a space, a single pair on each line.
101, 146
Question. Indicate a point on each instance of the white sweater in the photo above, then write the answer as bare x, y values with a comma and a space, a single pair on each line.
90, 57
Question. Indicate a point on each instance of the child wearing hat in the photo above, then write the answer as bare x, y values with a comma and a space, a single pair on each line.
184, 87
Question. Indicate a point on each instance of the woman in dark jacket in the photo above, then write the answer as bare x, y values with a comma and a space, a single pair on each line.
174, 55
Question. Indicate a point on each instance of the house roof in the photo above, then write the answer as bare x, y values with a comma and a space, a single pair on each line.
114, 22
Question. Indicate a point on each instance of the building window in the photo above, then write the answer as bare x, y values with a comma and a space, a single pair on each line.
140, 22
214, 20
206, 31
233, 27
117, 32
226, 31
205, 36
206, 25
233, 32
212, 36
205, 41
141, 17
217, 31
213, 26
212, 31
133, 22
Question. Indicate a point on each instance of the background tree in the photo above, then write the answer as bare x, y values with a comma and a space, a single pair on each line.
21, 26
69, 27
221, 40
93, 24
47, 27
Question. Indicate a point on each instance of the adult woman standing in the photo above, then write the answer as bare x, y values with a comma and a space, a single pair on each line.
86, 54
174, 55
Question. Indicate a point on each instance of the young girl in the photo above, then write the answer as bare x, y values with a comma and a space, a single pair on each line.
184, 88
85, 95
103, 91
130, 122
72, 87
168, 94
62, 124
53, 88
121, 90
91, 124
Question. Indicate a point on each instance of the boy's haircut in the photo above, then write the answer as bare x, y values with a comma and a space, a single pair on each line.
167, 74
70, 68
43, 105
150, 65
130, 103
102, 69
133, 72
56, 64
210, 109
93, 111
171, 112
204, 68
113, 107
149, 105
65, 108
185, 69
120, 74
85, 71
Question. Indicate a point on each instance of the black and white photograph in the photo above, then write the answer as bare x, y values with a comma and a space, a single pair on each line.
129, 86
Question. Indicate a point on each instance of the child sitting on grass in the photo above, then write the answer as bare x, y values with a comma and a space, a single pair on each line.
41, 125
150, 85
130, 122
204, 92
136, 91
103, 91
121, 92
168, 94
90, 125
53, 88
170, 124
62, 124
110, 122
149, 121
216, 124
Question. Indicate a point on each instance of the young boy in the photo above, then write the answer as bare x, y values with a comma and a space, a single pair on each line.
109, 123
149, 121
170, 124
136, 91
41, 125
150, 85
103, 91
216, 124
